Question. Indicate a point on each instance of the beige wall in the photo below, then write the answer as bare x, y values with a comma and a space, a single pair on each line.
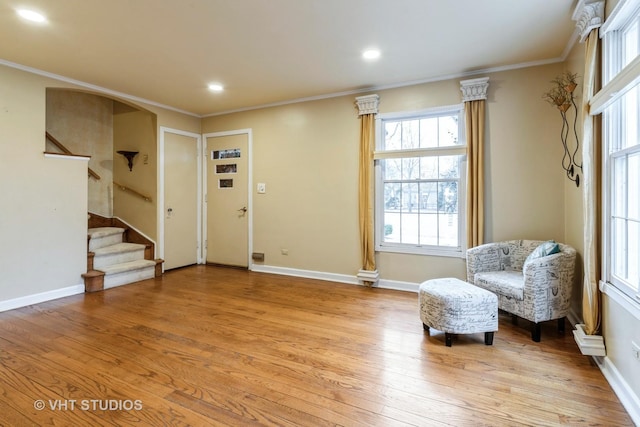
306, 153
83, 123
307, 156
136, 131
43, 223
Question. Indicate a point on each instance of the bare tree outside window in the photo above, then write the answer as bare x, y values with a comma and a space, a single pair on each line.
420, 189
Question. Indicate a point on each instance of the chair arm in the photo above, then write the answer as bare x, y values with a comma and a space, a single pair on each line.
548, 282
482, 258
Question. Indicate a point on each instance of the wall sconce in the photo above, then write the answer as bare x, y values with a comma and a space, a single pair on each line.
129, 156
561, 96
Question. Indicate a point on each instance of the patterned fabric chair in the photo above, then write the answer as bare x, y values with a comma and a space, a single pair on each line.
536, 289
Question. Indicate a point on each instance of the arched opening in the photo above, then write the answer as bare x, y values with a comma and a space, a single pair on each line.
98, 126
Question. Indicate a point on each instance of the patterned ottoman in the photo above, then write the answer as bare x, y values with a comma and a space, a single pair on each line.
456, 307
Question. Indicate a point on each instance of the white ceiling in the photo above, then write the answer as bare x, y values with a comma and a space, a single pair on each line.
273, 51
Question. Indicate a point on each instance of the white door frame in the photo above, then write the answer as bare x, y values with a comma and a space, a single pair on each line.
161, 187
205, 157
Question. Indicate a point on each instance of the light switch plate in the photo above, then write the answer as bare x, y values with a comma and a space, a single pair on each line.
262, 188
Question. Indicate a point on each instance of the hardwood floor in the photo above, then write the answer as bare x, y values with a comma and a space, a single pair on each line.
213, 346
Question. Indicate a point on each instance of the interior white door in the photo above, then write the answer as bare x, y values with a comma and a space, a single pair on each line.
180, 200
227, 200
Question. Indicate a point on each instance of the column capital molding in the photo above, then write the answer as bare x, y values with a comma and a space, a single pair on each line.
367, 104
589, 15
474, 89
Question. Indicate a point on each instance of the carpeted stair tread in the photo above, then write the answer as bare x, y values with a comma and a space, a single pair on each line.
98, 232
128, 266
119, 248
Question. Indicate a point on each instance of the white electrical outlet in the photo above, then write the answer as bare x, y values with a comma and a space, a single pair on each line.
636, 350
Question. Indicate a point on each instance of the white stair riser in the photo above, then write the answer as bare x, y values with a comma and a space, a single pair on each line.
117, 258
118, 279
101, 242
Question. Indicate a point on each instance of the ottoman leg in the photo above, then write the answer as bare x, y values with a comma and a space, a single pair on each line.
447, 339
488, 338
535, 332
425, 327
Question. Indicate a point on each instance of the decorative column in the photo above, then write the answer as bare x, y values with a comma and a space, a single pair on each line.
474, 95
367, 110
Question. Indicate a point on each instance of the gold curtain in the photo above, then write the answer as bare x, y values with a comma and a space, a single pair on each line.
474, 122
365, 185
591, 192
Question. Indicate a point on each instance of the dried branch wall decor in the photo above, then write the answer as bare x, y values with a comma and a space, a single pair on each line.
561, 96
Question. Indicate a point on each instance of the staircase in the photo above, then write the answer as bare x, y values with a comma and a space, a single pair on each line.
112, 260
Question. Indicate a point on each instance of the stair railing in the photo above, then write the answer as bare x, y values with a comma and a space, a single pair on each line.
134, 192
65, 150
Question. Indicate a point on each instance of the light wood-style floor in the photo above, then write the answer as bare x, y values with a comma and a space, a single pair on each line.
213, 346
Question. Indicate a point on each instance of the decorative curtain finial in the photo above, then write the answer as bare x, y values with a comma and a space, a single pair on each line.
367, 104
474, 89
588, 14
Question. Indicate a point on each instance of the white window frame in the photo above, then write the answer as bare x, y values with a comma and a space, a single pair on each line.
620, 75
460, 149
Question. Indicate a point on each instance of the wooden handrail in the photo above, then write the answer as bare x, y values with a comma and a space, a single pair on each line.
125, 188
65, 150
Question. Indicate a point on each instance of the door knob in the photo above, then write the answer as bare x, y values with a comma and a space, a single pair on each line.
243, 210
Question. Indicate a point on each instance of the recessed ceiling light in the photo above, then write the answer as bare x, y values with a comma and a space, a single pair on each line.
216, 87
371, 54
31, 15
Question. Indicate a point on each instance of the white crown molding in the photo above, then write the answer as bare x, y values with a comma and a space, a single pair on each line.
589, 15
93, 88
474, 89
367, 104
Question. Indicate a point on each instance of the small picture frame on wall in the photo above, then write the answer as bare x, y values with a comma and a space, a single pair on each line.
225, 183
227, 168
225, 154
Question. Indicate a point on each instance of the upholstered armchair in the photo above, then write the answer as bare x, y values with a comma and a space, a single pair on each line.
536, 287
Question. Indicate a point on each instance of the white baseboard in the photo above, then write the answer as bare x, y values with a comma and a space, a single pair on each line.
628, 398
26, 300
333, 277
398, 286
309, 274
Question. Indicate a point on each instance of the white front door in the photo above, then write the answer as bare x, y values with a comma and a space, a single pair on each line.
181, 204
228, 202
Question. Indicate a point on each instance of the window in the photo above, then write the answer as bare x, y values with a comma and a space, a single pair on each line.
420, 180
621, 171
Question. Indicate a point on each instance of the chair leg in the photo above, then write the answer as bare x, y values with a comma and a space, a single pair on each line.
535, 332
488, 338
425, 327
561, 325
447, 339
